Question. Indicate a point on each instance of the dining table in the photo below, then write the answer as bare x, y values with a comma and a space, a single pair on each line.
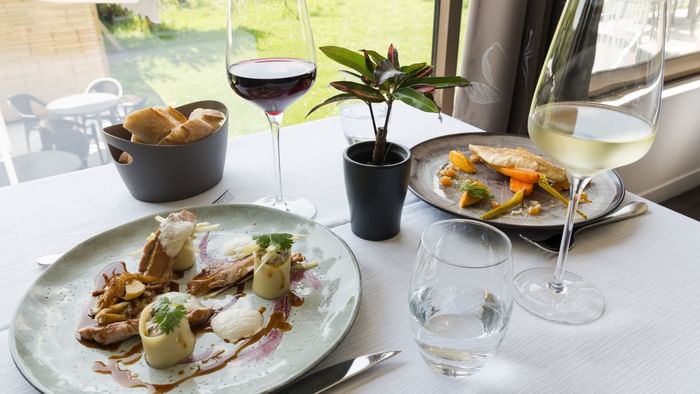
648, 268
34, 165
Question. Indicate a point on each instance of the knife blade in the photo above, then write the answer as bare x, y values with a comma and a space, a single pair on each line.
324, 379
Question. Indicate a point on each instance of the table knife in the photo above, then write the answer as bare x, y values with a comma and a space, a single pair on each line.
324, 379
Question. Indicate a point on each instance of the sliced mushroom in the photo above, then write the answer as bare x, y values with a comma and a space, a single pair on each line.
104, 317
133, 289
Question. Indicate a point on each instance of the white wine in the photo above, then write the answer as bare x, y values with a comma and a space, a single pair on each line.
589, 138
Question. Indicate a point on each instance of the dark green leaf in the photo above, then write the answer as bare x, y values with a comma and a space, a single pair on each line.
416, 100
368, 62
438, 82
363, 92
167, 315
356, 75
347, 58
283, 241
334, 99
376, 57
412, 68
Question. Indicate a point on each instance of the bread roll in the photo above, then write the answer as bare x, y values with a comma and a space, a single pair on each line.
151, 125
213, 117
188, 132
125, 158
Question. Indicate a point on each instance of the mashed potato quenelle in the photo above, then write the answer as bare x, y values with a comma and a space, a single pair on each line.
165, 333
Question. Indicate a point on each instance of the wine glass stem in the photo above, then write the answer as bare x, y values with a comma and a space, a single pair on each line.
576, 187
275, 121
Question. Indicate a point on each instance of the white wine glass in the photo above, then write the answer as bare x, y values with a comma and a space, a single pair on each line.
596, 107
271, 62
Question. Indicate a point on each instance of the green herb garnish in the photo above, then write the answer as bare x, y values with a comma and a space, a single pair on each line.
476, 190
168, 315
283, 241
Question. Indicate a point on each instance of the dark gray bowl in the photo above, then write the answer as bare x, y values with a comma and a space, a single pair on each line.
170, 172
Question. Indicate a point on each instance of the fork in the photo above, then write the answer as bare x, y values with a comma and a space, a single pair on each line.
47, 260
224, 198
552, 243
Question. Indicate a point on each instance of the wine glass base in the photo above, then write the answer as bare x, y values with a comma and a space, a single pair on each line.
578, 303
296, 205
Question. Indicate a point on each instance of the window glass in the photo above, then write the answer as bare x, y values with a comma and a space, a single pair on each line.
684, 28
160, 52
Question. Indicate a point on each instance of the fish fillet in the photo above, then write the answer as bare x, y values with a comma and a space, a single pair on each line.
518, 158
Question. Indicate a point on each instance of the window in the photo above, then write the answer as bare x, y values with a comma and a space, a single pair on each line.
51, 49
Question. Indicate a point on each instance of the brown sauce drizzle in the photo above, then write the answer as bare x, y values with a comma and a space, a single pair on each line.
211, 361
218, 360
294, 299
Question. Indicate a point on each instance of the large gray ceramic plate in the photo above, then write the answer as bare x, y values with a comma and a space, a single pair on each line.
606, 190
46, 352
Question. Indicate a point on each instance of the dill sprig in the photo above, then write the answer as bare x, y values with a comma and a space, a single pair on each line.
476, 189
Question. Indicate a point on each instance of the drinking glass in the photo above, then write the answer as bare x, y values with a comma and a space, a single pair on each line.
271, 62
356, 121
596, 107
460, 294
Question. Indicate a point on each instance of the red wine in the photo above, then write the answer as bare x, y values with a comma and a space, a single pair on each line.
273, 83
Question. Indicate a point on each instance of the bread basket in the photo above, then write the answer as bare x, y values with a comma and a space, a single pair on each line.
170, 172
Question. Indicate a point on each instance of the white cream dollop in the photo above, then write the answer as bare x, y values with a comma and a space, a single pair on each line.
236, 323
173, 233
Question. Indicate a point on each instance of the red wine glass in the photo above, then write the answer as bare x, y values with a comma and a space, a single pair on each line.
271, 62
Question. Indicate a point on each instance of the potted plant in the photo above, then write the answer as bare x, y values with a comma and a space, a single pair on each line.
377, 172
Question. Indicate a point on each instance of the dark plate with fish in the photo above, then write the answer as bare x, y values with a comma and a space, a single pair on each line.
78, 329
605, 192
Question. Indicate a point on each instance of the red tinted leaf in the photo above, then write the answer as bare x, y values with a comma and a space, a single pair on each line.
423, 88
393, 55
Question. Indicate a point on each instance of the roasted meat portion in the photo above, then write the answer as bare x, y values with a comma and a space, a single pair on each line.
122, 295
122, 330
222, 275
160, 252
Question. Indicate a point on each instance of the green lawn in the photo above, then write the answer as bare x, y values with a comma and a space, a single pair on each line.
182, 59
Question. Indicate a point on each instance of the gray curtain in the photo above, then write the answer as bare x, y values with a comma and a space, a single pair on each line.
504, 46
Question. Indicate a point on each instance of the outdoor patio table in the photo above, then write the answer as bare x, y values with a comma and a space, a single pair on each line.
647, 340
82, 104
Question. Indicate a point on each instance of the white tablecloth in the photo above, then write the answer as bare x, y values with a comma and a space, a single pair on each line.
647, 268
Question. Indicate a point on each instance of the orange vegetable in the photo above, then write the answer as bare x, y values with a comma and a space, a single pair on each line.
517, 184
450, 172
460, 161
446, 181
467, 200
521, 174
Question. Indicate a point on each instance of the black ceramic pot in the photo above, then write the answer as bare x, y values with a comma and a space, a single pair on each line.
376, 193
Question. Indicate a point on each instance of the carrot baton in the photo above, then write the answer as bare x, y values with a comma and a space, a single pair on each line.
522, 174
516, 184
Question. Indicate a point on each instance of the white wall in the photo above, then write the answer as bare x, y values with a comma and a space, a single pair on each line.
673, 164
